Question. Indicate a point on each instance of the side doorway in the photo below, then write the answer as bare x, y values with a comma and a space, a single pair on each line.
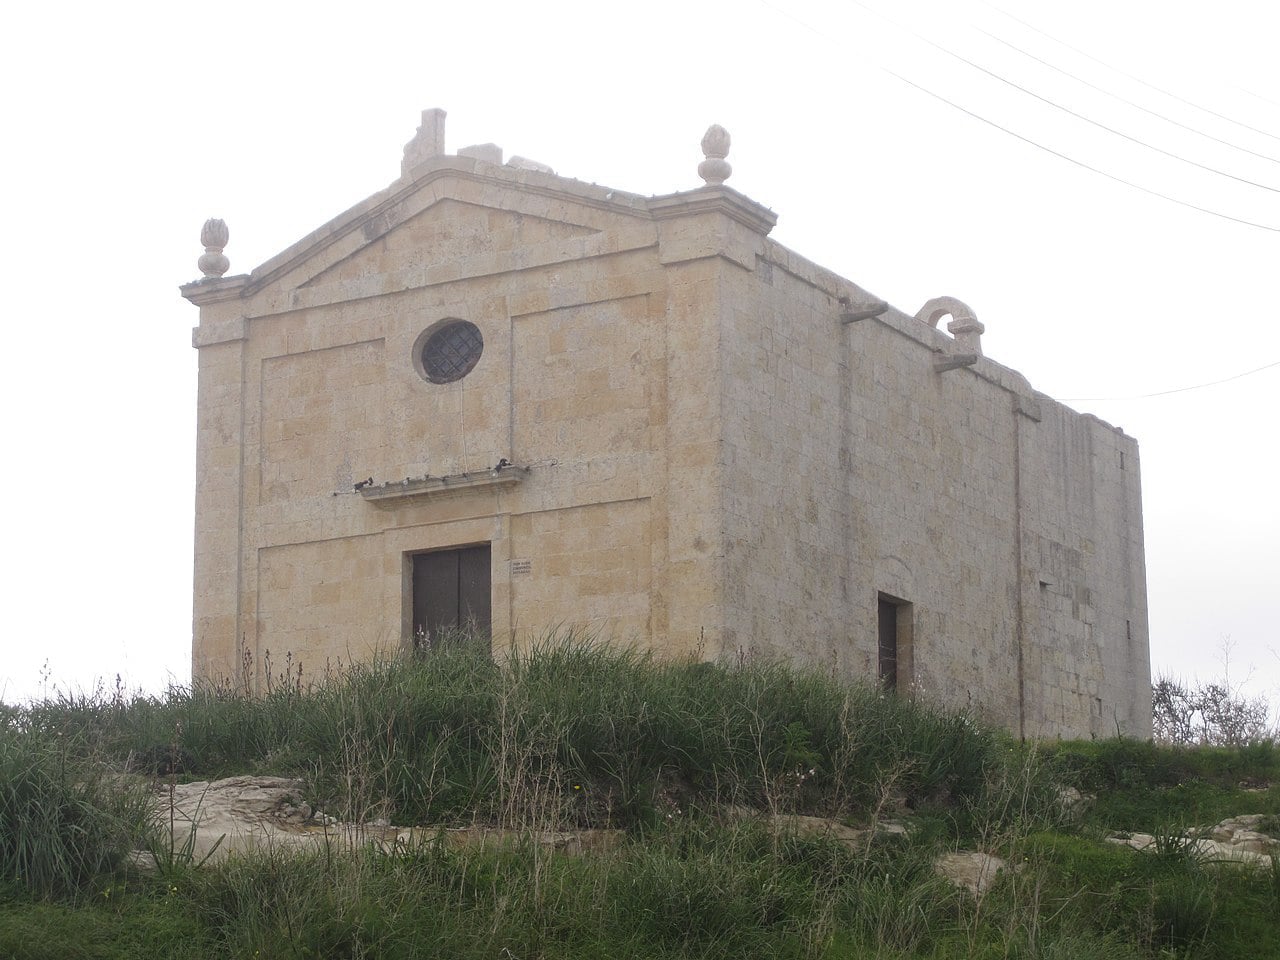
451, 594
895, 642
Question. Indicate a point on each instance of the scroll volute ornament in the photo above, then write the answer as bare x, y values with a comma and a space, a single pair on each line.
964, 327
715, 146
966, 331
214, 236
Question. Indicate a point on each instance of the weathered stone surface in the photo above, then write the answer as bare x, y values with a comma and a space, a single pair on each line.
488, 152
856, 837
1232, 840
714, 169
213, 820
1244, 827
718, 466
524, 163
427, 143
232, 815
971, 869
1073, 803
213, 263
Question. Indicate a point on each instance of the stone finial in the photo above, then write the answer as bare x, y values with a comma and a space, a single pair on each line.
214, 236
427, 143
715, 146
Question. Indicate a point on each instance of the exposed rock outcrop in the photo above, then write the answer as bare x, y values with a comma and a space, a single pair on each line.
1234, 839
971, 869
211, 820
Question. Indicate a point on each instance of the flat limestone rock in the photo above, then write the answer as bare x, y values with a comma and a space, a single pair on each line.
806, 826
1230, 841
820, 827
973, 870
236, 814
215, 819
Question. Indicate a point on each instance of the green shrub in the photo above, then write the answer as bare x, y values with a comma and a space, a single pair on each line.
1138, 784
63, 822
1182, 911
1081, 863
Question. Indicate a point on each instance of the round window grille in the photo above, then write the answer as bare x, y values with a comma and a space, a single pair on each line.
451, 352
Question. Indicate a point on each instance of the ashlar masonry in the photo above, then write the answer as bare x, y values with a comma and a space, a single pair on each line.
491, 395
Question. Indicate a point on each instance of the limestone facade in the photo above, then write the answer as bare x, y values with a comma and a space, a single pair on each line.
678, 434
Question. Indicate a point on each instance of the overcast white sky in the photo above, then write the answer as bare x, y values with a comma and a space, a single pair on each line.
127, 125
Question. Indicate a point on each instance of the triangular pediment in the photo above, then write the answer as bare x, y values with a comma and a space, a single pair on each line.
455, 217
448, 230
452, 211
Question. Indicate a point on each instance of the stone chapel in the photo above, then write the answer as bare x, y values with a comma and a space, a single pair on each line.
495, 398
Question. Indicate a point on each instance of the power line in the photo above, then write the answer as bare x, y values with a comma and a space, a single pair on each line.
1165, 393
1254, 93
1131, 103
1152, 86
1063, 156
1028, 140
1066, 110
1080, 163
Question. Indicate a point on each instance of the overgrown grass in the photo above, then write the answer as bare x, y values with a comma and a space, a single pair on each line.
1139, 785
697, 888
64, 820
583, 732
693, 891
694, 761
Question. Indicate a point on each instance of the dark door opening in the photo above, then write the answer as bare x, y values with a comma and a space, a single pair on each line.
451, 592
896, 636
888, 643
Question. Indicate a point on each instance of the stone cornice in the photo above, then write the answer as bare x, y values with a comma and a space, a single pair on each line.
215, 289
714, 199
394, 493
382, 212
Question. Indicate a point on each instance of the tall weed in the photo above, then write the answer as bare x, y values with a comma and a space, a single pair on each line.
564, 729
63, 819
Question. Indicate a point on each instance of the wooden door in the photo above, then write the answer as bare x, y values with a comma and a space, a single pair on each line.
888, 612
451, 593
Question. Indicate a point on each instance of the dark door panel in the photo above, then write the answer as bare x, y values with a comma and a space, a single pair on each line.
451, 591
473, 589
888, 643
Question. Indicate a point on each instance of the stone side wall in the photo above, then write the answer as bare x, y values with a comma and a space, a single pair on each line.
1084, 586
787, 515
854, 468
